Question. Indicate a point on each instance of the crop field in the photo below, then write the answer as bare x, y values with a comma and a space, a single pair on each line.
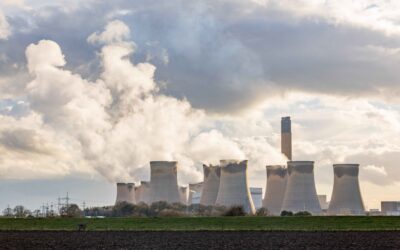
202, 233
314, 223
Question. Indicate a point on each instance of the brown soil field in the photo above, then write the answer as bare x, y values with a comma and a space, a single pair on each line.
198, 240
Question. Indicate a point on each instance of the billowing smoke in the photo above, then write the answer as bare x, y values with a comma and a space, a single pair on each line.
119, 122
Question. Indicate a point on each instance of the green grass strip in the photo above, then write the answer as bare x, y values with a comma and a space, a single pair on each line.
315, 223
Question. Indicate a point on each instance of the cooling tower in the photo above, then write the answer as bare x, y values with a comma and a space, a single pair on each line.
210, 185
126, 193
286, 137
300, 193
233, 188
142, 192
183, 195
346, 195
195, 191
137, 193
256, 197
163, 182
275, 188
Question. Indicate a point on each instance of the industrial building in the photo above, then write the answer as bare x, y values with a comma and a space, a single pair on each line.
256, 196
126, 193
300, 193
195, 191
286, 137
233, 186
390, 208
346, 195
209, 193
164, 182
275, 188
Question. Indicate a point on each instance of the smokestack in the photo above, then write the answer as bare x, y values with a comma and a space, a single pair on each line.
126, 193
163, 182
301, 194
346, 195
233, 188
195, 191
286, 137
275, 188
142, 192
183, 195
210, 185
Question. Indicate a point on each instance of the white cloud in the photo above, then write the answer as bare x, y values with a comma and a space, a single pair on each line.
16, 3
46, 54
115, 31
5, 30
382, 16
380, 170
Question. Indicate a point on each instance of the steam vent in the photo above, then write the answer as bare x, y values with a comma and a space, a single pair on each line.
286, 137
276, 186
233, 188
164, 182
346, 196
126, 193
212, 176
300, 194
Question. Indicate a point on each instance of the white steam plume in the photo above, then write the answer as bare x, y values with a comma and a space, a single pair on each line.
120, 122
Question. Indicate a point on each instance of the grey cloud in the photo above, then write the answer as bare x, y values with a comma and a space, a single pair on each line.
388, 160
224, 56
23, 140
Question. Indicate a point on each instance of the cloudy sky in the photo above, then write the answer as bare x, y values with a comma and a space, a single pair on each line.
91, 91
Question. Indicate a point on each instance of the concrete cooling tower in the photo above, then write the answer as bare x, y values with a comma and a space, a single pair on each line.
210, 185
300, 193
275, 188
137, 193
142, 192
195, 191
126, 193
183, 195
256, 197
164, 182
346, 196
233, 187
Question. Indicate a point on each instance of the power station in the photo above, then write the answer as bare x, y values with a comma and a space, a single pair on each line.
125, 193
275, 191
211, 181
164, 182
233, 186
300, 193
290, 188
346, 195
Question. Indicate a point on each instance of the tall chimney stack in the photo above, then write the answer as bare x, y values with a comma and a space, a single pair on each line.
286, 137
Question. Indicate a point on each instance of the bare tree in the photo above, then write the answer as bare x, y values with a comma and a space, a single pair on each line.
21, 212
